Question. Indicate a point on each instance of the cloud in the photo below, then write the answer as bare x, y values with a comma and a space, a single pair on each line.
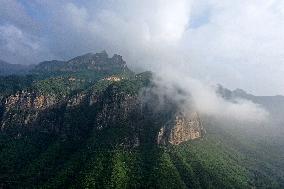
239, 44
193, 95
190, 44
18, 46
13, 12
242, 42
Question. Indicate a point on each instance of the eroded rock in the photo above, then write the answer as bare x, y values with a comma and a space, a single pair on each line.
182, 128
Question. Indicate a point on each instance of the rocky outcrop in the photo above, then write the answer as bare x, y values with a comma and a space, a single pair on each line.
22, 109
76, 100
182, 128
139, 119
24, 100
120, 109
116, 110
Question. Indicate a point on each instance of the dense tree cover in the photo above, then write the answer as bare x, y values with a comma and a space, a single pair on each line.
88, 158
81, 156
13, 83
97, 162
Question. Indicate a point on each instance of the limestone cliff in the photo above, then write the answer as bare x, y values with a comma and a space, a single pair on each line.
21, 110
182, 128
27, 111
113, 104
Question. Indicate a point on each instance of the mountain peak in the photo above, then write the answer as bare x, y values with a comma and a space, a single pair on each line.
99, 62
239, 92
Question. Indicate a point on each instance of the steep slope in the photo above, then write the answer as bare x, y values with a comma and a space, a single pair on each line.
107, 120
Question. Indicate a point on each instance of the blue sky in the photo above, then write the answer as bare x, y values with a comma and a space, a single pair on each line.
236, 43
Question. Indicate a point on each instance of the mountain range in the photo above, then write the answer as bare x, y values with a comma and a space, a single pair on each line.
91, 122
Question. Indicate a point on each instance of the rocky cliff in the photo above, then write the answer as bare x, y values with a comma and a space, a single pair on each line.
112, 107
68, 106
181, 128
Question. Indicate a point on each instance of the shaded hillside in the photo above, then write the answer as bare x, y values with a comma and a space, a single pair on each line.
13, 69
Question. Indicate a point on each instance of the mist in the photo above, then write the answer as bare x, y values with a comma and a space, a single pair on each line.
192, 45
193, 95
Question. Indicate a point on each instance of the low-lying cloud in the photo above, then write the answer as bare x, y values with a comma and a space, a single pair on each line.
194, 95
190, 44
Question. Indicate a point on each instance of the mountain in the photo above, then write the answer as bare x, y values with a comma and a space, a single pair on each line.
99, 62
14, 69
90, 122
273, 104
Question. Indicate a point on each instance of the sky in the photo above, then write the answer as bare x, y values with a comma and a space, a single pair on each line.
239, 44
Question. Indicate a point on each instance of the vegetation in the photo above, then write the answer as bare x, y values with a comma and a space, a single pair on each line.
79, 155
51, 162
13, 83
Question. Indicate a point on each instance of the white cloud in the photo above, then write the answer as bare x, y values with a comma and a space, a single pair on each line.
237, 43
240, 45
202, 97
14, 39
20, 47
13, 12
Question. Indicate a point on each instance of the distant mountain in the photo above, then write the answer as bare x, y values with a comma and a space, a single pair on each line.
49, 66
95, 62
274, 104
16, 69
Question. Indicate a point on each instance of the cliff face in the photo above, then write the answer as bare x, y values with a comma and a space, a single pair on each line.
21, 110
27, 100
160, 124
182, 128
27, 111
113, 108
68, 106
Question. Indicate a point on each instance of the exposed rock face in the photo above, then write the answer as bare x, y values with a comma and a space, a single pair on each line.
113, 78
113, 108
138, 116
140, 120
181, 129
76, 100
116, 108
26, 99
22, 109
